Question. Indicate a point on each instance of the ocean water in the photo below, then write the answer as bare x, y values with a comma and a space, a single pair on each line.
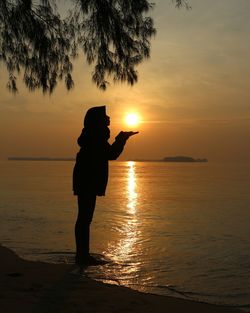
177, 229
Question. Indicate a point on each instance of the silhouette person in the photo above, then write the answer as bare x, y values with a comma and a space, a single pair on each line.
90, 174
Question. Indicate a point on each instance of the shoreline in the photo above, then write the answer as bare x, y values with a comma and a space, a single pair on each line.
45, 288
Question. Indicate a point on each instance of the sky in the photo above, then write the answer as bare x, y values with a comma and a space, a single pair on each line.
192, 96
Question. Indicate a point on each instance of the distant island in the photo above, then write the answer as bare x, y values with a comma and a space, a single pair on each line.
173, 159
166, 159
13, 158
182, 159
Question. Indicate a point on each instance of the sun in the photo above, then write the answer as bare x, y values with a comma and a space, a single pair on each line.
132, 119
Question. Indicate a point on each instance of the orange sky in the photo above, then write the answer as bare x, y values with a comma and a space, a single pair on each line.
192, 95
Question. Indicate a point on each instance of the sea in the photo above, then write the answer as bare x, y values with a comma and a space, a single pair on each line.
174, 229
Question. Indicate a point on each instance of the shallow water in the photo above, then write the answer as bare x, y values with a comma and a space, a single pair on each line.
176, 229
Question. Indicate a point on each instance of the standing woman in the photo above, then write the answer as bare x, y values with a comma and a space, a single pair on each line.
90, 175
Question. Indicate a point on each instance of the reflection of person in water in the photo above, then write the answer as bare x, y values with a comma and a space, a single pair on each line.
90, 175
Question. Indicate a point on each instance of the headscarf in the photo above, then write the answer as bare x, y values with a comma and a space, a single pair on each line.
95, 126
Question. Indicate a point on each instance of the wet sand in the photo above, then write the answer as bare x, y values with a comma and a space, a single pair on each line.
39, 287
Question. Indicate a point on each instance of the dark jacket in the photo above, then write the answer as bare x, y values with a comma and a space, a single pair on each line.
90, 173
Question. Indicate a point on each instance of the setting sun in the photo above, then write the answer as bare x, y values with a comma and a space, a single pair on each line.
132, 119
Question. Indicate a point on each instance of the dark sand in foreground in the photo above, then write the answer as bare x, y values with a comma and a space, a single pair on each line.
38, 287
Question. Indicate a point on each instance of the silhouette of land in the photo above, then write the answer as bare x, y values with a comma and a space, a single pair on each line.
13, 158
172, 159
165, 159
42, 288
182, 159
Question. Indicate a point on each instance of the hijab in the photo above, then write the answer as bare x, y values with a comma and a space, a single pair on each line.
95, 126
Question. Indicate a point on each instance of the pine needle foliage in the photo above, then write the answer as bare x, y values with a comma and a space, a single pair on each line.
38, 43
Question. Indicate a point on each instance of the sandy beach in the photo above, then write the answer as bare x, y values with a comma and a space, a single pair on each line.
43, 288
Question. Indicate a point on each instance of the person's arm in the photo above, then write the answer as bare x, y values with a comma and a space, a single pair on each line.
117, 147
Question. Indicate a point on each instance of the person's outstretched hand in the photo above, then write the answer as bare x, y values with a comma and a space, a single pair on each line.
125, 135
